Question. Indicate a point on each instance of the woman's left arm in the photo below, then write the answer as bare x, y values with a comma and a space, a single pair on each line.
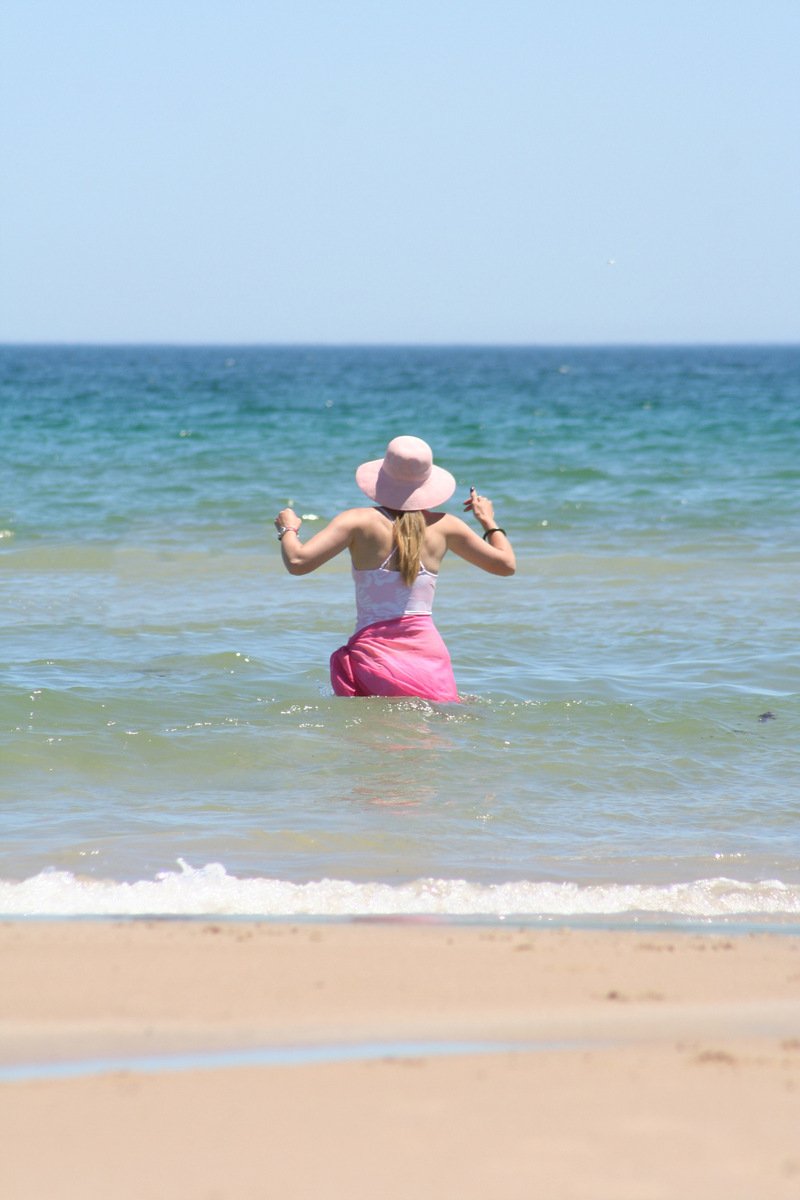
300, 558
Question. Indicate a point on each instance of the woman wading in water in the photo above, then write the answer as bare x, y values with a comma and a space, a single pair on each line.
396, 549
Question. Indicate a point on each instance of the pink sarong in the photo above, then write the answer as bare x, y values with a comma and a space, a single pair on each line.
402, 657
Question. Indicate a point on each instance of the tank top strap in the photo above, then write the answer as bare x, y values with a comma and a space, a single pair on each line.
390, 517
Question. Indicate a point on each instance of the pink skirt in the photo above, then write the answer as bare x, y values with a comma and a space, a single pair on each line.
403, 657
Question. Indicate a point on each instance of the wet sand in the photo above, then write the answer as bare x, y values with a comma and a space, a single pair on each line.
396, 1059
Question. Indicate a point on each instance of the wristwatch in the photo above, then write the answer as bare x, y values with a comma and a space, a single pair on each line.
282, 529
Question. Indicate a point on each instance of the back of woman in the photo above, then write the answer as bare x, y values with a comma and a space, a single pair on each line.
396, 550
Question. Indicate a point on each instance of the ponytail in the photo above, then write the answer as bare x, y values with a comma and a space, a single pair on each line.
409, 534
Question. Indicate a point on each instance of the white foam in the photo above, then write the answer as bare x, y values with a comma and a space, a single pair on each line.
210, 890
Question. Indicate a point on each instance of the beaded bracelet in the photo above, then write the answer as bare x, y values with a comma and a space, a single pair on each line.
496, 529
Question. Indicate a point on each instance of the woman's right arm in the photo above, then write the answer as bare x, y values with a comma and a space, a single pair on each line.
493, 553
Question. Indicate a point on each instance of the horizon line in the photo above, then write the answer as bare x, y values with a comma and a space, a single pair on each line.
394, 345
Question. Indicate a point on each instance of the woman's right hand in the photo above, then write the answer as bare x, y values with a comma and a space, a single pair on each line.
481, 507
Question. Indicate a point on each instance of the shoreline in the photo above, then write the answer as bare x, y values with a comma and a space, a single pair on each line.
678, 925
363, 1057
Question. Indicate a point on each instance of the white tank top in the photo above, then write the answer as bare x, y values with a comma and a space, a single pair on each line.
381, 594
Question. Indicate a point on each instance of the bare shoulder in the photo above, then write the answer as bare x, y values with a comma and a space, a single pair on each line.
357, 518
453, 526
437, 520
451, 533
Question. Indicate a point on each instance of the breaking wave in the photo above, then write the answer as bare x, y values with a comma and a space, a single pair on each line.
210, 890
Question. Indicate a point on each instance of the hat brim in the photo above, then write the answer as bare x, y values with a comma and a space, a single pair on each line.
393, 493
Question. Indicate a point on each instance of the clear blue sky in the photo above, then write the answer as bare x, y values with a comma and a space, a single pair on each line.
400, 171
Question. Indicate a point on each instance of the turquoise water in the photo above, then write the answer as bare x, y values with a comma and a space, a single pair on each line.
629, 731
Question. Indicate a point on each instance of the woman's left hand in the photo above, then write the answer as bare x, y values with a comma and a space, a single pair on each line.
288, 517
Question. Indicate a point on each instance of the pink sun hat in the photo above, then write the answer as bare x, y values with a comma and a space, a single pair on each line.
406, 478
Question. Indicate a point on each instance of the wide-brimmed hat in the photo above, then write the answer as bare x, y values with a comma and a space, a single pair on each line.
406, 478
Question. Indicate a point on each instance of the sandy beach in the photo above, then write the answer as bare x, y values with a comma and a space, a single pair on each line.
231, 1059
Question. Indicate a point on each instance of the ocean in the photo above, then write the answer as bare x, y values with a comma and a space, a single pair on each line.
627, 747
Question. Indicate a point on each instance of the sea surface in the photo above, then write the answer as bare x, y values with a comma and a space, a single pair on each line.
628, 742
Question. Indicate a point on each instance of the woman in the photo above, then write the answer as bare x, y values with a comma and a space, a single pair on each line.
396, 550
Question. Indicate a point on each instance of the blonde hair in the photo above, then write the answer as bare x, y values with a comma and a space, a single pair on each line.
409, 534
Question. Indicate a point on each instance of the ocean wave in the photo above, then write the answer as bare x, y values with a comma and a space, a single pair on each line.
210, 890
